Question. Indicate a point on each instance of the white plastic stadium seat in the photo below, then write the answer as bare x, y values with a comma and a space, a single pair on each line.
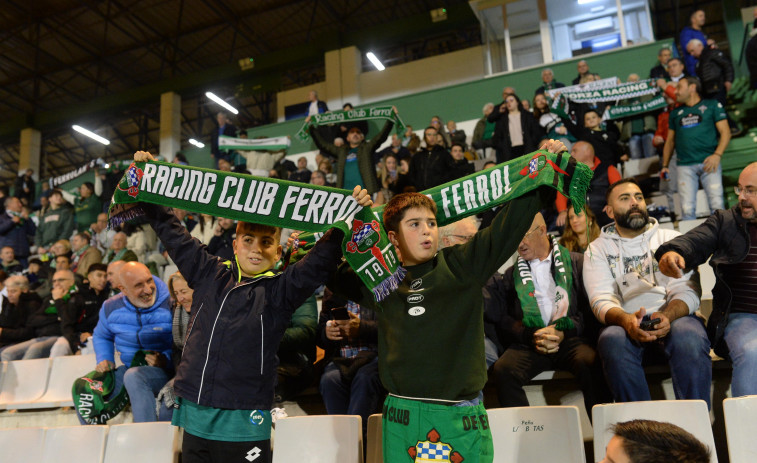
740, 422
63, 372
374, 444
691, 415
319, 439
74, 444
21, 445
24, 381
536, 434
143, 443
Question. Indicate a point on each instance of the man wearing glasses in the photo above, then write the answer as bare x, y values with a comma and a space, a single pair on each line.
729, 239
539, 308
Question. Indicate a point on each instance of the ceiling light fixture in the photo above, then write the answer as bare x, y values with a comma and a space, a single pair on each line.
372, 58
219, 101
90, 134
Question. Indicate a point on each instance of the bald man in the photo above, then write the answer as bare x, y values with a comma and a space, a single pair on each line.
118, 250
113, 276
729, 239
138, 319
604, 176
539, 307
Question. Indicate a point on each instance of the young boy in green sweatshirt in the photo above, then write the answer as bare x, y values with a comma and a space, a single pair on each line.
431, 330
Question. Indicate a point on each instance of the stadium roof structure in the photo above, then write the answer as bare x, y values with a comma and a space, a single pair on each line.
103, 64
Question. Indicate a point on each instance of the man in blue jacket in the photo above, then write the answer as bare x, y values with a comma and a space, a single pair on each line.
139, 318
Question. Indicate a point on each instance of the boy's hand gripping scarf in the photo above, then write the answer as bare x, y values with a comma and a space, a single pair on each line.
526, 290
312, 208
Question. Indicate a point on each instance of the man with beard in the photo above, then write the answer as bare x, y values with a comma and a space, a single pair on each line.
624, 284
729, 239
137, 320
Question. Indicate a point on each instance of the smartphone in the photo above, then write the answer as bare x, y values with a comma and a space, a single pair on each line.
340, 313
648, 323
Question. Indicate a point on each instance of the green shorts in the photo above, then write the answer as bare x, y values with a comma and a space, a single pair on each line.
415, 431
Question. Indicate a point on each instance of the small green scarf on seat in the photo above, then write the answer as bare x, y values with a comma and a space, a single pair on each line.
524, 287
313, 208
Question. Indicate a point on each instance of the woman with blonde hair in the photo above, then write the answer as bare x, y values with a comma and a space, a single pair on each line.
574, 237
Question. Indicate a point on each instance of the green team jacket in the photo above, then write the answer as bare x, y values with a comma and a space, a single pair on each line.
431, 330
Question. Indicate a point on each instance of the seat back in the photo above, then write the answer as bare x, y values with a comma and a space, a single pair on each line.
63, 372
24, 381
74, 444
142, 442
536, 434
21, 445
740, 422
374, 448
691, 415
319, 439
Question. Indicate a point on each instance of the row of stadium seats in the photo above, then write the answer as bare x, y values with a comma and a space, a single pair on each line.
521, 434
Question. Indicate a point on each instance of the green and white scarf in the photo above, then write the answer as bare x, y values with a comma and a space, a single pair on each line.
614, 93
524, 287
315, 208
258, 144
365, 114
622, 111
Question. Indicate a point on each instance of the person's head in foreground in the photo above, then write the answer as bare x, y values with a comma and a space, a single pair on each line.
256, 248
627, 207
410, 221
137, 284
646, 441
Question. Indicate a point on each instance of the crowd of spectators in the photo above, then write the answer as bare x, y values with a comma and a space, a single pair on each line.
68, 280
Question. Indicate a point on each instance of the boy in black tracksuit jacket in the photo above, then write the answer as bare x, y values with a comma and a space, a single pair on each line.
240, 310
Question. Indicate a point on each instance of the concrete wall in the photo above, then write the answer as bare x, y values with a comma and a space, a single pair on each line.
418, 76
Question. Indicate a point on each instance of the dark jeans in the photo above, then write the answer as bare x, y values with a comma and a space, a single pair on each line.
199, 450
362, 396
686, 349
519, 364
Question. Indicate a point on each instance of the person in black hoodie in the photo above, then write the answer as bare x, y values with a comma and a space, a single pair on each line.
81, 311
430, 166
604, 139
240, 310
42, 326
516, 131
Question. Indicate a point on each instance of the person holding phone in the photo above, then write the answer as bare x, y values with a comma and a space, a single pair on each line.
642, 309
348, 333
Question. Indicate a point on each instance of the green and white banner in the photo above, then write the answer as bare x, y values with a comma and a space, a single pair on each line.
614, 93
634, 109
258, 144
364, 114
314, 208
597, 84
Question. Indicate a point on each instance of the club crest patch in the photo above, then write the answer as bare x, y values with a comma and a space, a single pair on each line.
433, 450
133, 177
365, 238
536, 164
94, 384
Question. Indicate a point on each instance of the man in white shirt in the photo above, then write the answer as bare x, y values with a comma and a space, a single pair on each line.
540, 309
624, 283
316, 106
